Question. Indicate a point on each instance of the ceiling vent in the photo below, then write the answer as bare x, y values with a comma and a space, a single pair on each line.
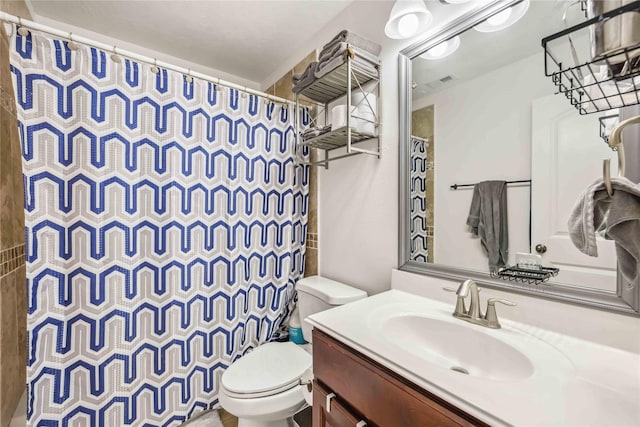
439, 83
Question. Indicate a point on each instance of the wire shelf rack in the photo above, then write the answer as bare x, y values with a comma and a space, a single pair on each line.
341, 82
525, 275
333, 85
337, 138
605, 82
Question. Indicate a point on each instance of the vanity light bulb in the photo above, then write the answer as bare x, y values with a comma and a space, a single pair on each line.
500, 18
439, 49
408, 25
442, 49
505, 18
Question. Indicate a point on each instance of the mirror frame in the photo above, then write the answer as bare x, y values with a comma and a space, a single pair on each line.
626, 300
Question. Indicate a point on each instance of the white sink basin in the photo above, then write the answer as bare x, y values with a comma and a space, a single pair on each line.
517, 375
458, 347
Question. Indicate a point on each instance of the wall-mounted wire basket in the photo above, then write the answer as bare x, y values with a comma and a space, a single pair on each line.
592, 84
525, 275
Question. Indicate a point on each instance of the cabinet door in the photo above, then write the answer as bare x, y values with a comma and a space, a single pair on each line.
386, 399
334, 416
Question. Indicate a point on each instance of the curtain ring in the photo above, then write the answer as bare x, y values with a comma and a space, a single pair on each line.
188, 77
155, 69
114, 56
23, 31
71, 44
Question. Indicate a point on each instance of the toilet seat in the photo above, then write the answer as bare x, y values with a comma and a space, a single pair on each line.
270, 369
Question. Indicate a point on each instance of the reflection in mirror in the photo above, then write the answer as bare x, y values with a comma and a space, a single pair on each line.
485, 113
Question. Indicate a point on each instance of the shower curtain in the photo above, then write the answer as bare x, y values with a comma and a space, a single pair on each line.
166, 221
418, 208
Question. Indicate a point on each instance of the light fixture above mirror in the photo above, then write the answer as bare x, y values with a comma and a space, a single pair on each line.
407, 18
442, 50
504, 19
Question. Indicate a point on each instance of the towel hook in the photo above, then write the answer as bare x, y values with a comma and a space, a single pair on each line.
616, 144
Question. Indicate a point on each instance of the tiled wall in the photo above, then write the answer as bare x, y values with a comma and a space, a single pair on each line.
282, 88
422, 126
13, 291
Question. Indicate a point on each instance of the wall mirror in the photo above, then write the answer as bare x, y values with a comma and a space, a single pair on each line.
476, 106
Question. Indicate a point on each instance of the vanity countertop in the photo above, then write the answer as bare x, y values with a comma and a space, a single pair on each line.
566, 381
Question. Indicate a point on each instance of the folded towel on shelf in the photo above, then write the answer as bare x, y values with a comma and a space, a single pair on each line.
307, 78
314, 131
339, 48
488, 220
297, 77
358, 64
353, 39
617, 217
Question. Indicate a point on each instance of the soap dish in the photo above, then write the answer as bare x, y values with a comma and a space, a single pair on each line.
525, 275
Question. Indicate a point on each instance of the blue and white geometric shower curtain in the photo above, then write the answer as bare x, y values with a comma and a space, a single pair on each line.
165, 230
418, 190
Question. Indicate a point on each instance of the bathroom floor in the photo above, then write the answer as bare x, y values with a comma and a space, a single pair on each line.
19, 418
228, 420
303, 418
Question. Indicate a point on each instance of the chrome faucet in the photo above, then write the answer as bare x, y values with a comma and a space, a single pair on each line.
474, 306
473, 314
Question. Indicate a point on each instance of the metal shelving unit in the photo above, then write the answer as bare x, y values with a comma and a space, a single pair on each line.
339, 83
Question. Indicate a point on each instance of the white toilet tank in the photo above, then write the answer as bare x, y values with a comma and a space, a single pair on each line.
318, 293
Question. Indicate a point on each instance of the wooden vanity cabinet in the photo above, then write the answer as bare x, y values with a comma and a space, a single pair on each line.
364, 393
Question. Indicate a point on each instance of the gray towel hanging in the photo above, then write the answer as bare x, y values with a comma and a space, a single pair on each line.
488, 220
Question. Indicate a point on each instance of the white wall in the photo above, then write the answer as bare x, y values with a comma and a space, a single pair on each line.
123, 44
358, 196
483, 132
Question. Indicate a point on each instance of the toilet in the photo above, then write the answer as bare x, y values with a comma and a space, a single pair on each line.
263, 387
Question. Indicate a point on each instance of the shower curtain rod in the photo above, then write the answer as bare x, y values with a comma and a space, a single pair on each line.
420, 138
137, 57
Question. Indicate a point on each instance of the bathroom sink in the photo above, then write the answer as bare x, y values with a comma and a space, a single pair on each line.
501, 376
459, 347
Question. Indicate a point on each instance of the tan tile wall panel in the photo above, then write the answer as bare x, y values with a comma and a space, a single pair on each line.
283, 89
422, 125
13, 292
